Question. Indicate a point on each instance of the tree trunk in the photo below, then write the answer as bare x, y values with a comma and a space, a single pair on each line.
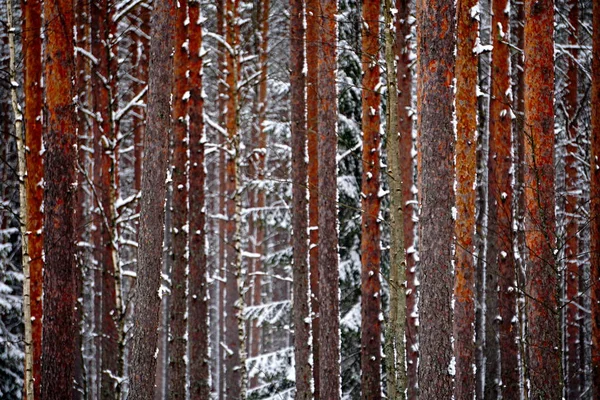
312, 131
435, 52
142, 368
595, 204
395, 349
543, 321
464, 226
572, 185
329, 301
500, 256
406, 166
198, 289
32, 48
300, 196
370, 206
179, 234
60, 140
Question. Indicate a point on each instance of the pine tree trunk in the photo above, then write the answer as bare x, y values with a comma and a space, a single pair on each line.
179, 234
500, 256
370, 206
572, 186
464, 227
435, 53
59, 161
302, 348
595, 204
142, 367
405, 131
542, 286
32, 49
395, 348
329, 301
198, 288
312, 130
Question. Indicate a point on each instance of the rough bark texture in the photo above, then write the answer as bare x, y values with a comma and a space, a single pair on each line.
500, 259
32, 49
179, 234
312, 121
395, 349
235, 371
58, 346
370, 205
329, 301
544, 334
198, 290
572, 185
464, 226
142, 368
405, 132
435, 54
595, 204
301, 317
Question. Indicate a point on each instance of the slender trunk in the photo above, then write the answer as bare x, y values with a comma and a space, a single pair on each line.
395, 348
500, 255
370, 206
595, 204
329, 300
312, 130
198, 289
142, 369
59, 161
572, 271
542, 286
32, 49
464, 226
299, 198
404, 78
435, 47
179, 229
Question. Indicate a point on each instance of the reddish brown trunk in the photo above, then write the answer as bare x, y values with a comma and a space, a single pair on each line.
300, 203
572, 185
500, 200
198, 290
312, 130
179, 234
542, 285
595, 204
464, 226
329, 334
32, 48
233, 376
142, 368
405, 125
370, 206
435, 52
60, 140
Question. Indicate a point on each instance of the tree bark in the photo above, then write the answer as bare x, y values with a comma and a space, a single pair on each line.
500, 255
370, 206
179, 229
543, 321
301, 315
142, 368
464, 226
60, 292
595, 204
329, 301
435, 52
198, 288
312, 131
